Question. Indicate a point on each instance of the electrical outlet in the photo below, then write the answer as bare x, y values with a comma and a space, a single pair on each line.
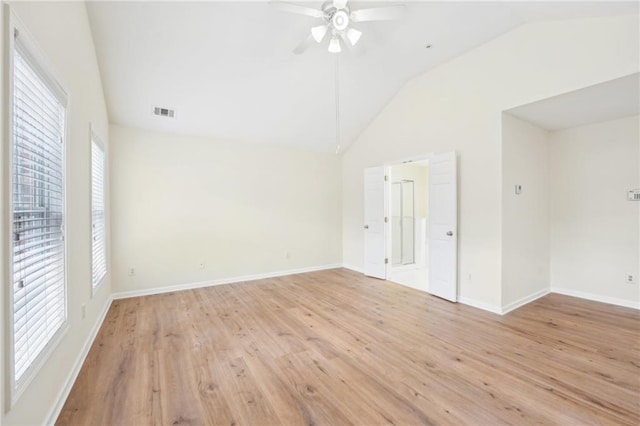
631, 279
83, 311
132, 272
287, 255
201, 265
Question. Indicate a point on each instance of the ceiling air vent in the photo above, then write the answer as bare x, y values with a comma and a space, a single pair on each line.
163, 112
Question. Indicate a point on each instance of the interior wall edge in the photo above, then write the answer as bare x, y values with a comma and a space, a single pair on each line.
524, 301
596, 297
480, 305
353, 268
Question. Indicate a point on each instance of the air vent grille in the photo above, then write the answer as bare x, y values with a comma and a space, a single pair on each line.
163, 112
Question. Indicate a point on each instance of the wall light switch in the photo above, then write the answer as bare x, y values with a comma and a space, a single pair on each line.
518, 189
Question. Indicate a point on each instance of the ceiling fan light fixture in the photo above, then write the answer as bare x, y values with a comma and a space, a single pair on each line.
334, 45
353, 35
340, 20
319, 32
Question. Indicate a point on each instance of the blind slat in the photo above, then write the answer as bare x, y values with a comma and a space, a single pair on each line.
37, 222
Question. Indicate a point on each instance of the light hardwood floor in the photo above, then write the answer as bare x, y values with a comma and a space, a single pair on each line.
334, 347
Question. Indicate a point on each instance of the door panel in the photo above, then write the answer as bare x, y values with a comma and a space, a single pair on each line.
443, 229
374, 225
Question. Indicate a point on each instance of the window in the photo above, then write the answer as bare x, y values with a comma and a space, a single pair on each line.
98, 233
38, 211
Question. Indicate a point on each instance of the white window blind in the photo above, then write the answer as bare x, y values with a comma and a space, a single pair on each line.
98, 246
38, 194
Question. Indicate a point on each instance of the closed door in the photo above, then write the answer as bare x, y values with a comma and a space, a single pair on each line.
443, 230
374, 224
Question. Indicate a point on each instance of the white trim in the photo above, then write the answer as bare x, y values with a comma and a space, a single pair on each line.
480, 305
523, 301
353, 268
77, 366
211, 283
596, 297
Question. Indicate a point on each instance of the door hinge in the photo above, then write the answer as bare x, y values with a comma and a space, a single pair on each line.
386, 260
386, 219
386, 178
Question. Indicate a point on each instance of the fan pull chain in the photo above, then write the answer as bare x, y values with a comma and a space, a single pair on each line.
337, 87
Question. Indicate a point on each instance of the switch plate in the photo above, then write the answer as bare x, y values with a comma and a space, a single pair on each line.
518, 189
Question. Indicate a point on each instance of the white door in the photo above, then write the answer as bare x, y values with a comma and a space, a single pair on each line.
443, 230
374, 224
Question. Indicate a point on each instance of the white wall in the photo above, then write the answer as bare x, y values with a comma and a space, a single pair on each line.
458, 106
594, 229
63, 34
525, 217
238, 208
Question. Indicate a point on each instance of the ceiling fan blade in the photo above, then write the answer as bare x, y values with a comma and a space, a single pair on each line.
319, 32
339, 4
296, 8
304, 45
388, 13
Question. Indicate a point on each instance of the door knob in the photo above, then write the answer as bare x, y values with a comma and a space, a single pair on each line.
366, 227
450, 233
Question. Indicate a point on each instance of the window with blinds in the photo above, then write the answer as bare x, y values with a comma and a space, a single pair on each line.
38, 199
98, 230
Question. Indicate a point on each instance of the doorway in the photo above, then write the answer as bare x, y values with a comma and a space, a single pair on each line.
434, 224
408, 207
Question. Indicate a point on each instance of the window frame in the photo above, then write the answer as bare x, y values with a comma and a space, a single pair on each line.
18, 34
98, 141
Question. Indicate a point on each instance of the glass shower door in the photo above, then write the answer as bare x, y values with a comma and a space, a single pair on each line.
402, 223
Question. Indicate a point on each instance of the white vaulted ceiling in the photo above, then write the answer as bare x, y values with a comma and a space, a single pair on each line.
594, 104
228, 71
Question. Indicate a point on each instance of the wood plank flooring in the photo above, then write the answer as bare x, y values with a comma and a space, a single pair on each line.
335, 347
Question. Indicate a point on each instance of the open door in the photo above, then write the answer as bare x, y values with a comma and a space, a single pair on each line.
443, 229
374, 224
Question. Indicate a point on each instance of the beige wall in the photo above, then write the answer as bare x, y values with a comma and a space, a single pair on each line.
525, 217
180, 201
62, 32
458, 106
594, 229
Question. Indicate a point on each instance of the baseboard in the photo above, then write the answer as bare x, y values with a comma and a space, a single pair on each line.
189, 286
521, 302
77, 366
596, 297
353, 268
480, 305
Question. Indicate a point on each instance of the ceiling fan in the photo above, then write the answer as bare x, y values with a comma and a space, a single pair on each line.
337, 18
